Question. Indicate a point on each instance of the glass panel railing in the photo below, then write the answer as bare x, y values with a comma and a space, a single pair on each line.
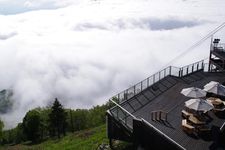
156, 77
162, 74
150, 81
130, 92
124, 116
190, 69
206, 67
121, 97
167, 71
184, 71
195, 67
121, 114
173, 71
138, 88
144, 84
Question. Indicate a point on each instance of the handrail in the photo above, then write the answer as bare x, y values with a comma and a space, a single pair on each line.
174, 71
198, 62
163, 134
123, 109
170, 70
222, 127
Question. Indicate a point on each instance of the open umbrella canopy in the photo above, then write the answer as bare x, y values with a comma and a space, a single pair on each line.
199, 105
215, 87
193, 92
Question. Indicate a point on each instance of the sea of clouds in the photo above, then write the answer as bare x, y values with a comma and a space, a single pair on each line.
85, 51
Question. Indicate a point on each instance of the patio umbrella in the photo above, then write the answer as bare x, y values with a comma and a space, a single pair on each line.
215, 87
199, 105
193, 92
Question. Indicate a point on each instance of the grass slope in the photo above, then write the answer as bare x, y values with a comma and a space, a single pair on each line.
82, 140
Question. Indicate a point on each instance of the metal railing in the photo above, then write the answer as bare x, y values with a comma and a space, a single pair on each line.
123, 115
218, 47
169, 71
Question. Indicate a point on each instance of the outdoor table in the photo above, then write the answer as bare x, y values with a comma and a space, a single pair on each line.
216, 102
195, 120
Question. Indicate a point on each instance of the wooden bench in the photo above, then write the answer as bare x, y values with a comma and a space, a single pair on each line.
187, 127
185, 114
159, 115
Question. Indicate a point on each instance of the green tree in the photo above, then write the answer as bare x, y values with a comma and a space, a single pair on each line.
8, 136
19, 135
32, 125
96, 116
80, 119
44, 114
57, 119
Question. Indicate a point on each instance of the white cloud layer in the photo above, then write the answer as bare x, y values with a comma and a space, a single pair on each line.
88, 51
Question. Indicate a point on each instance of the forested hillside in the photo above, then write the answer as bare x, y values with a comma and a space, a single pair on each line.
53, 122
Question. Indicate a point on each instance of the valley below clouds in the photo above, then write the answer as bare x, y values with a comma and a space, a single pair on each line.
84, 52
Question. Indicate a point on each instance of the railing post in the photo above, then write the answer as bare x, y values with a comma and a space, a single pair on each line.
197, 66
192, 68
134, 89
202, 64
181, 72
154, 78
148, 82
141, 86
187, 71
164, 72
159, 75
170, 70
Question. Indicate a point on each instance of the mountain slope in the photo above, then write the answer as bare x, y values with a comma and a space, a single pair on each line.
5, 101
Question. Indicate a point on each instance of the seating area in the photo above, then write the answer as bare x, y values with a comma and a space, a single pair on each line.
194, 123
185, 114
187, 127
219, 105
188, 135
195, 120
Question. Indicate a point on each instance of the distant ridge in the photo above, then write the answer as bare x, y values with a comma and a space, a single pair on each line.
5, 101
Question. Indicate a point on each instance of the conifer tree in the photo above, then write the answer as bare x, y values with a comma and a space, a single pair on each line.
57, 119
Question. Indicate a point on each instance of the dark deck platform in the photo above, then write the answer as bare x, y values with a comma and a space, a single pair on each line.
165, 95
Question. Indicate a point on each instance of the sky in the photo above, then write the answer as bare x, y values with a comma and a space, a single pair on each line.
85, 51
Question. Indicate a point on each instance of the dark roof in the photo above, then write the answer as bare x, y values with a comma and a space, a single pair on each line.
165, 95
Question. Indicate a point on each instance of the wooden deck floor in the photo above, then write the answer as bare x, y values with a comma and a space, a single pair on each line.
166, 96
